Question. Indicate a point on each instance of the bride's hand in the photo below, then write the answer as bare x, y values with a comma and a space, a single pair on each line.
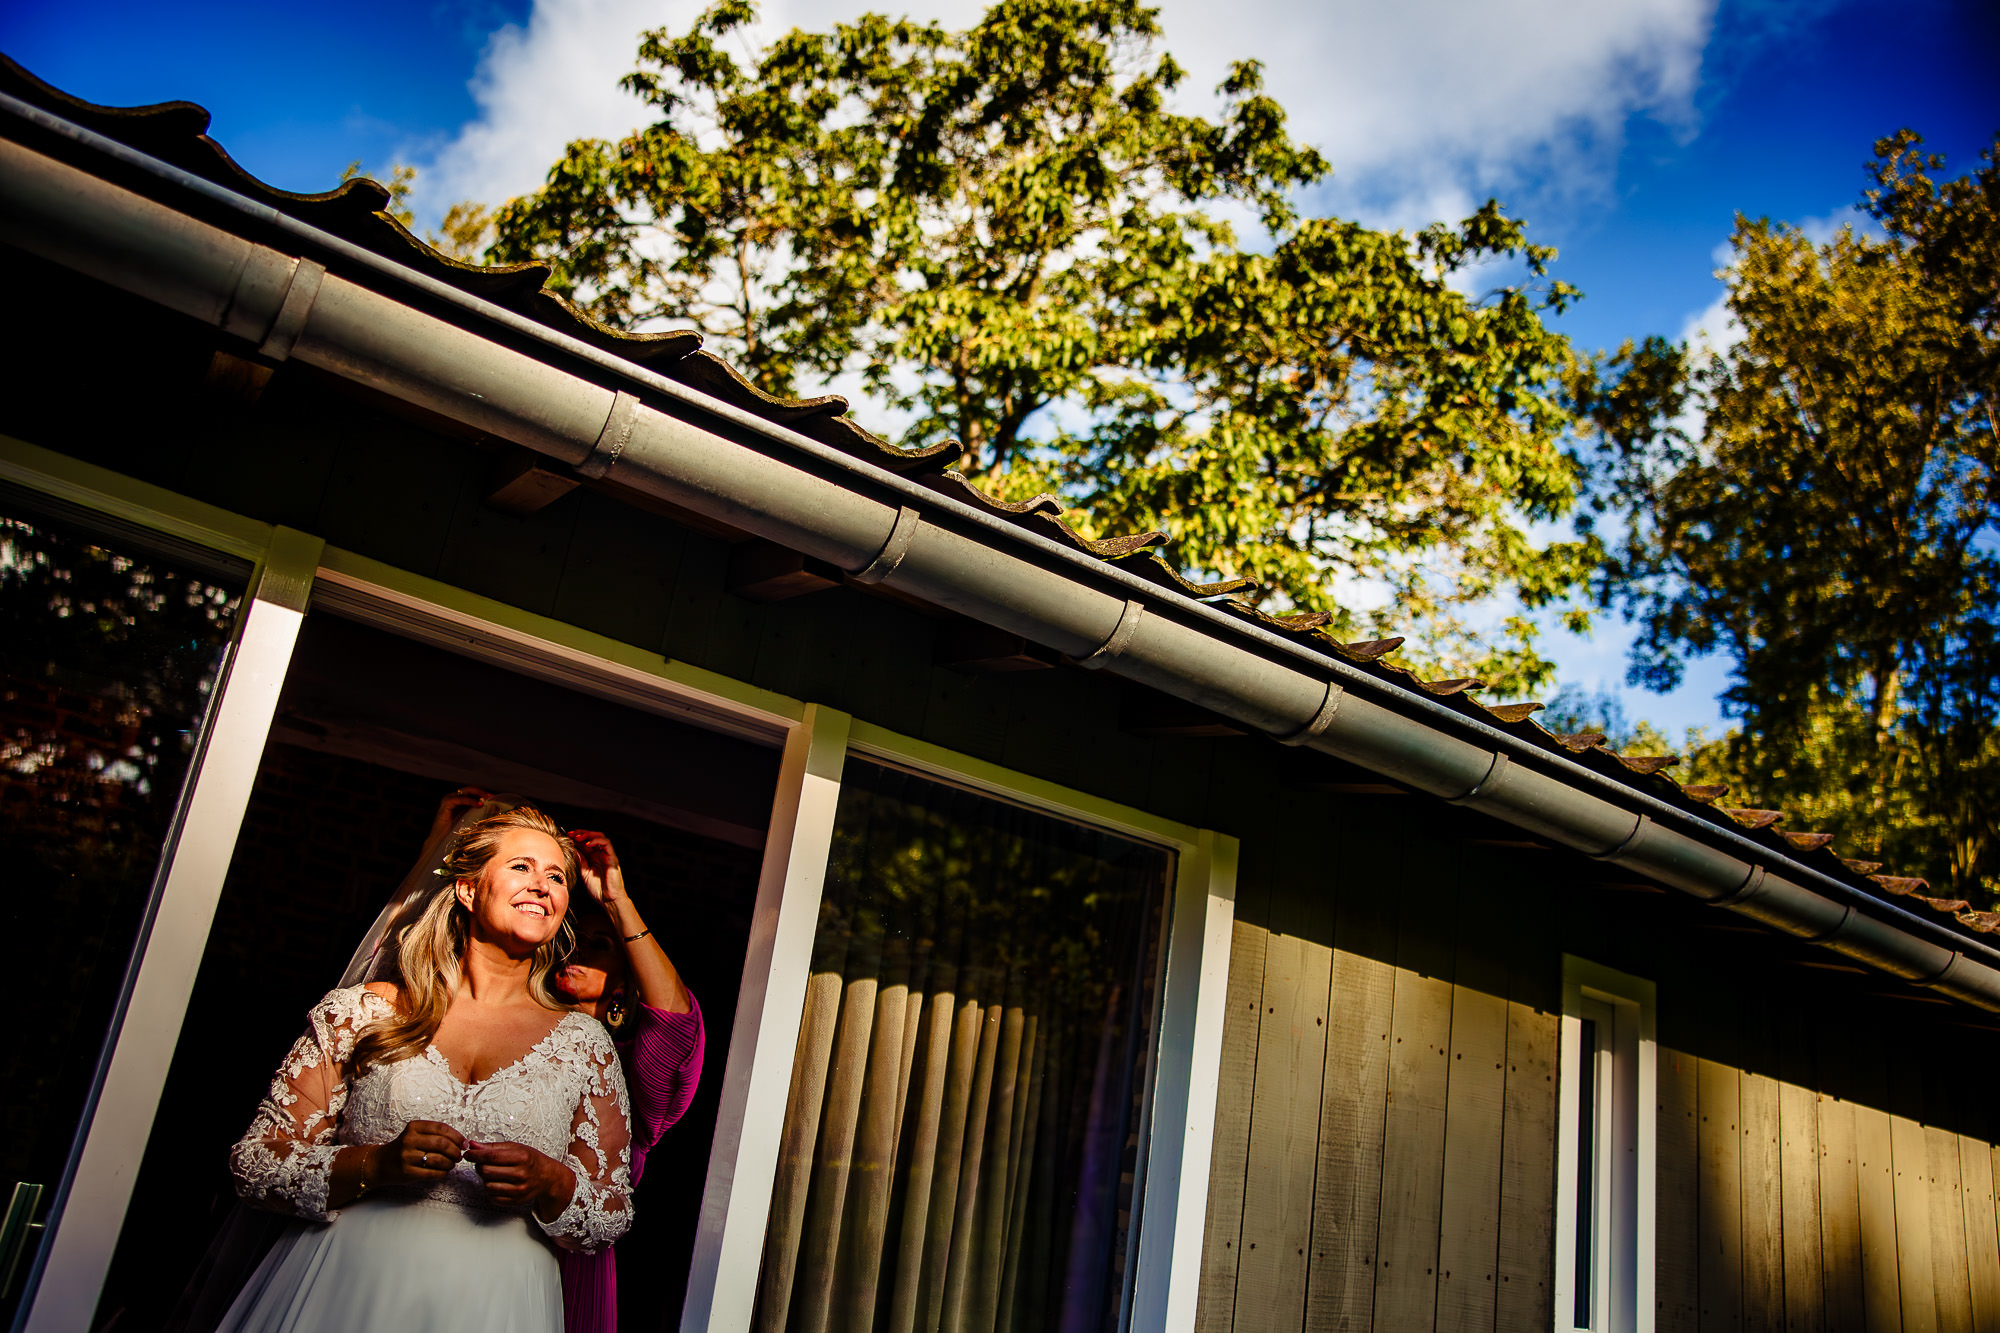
420, 1155
519, 1177
597, 865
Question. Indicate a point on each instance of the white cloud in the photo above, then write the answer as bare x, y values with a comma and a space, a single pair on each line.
1423, 106
1713, 330
1426, 106
1822, 230
555, 80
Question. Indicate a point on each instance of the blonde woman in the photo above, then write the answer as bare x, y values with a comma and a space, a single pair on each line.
431, 1132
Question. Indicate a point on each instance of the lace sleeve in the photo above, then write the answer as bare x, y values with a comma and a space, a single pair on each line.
284, 1160
600, 1152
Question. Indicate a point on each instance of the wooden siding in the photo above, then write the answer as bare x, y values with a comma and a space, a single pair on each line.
1812, 1212
1777, 1205
1421, 1126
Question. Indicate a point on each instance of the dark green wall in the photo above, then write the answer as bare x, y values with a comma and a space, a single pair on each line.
1404, 883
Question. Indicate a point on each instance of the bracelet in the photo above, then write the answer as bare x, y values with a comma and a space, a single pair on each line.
634, 939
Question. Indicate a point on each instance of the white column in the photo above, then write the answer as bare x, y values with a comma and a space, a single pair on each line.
65, 1290
743, 1163
1189, 1063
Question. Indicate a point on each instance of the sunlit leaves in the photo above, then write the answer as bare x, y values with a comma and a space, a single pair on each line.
1015, 242
1836, 528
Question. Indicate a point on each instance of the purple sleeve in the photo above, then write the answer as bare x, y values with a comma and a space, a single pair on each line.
662, 1068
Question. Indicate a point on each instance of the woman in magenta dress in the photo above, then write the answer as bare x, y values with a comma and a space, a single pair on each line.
620, 975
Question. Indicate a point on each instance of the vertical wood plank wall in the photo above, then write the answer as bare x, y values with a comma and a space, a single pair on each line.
1408, 1101
1393, 1169
1782, 1207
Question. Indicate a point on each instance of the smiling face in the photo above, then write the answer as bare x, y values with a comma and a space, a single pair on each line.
595, 966
520, 895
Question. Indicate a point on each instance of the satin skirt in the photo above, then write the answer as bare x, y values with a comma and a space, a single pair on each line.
421, 1265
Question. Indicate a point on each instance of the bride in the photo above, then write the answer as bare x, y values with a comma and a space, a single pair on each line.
431, 1132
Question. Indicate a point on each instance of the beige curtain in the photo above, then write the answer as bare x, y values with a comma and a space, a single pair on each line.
963, 1101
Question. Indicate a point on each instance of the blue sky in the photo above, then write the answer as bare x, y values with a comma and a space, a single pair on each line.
1627, 132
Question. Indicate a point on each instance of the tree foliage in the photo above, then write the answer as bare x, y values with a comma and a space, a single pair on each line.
1009, 237
1835, 529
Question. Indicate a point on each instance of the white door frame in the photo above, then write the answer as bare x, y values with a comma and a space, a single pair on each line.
1180, 1104
85, 1218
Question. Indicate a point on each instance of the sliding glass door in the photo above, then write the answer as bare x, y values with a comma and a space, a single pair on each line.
964, 1127
109, 657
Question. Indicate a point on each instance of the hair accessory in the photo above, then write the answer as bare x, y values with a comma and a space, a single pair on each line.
634, 939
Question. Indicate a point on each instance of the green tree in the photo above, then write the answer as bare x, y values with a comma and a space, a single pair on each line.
1011, 240
1835, 531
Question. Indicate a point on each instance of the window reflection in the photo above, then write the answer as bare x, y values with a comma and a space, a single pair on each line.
963, 1126
107, 661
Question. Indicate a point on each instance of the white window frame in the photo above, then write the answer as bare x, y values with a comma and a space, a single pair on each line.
84, 1220
1622, 1069
88, 1209
1179, 1112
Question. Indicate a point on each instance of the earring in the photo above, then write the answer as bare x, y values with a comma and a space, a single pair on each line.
614, 1014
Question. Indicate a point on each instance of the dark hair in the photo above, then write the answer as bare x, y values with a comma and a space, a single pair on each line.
589, 914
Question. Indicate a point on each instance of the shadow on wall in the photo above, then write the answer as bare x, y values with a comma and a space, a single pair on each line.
1386, 1122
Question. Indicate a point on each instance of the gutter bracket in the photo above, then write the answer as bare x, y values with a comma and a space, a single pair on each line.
1493, 774
612, 438
893, 550
1631, 840
1747, 889
293, 312
1320, 721
1121, 637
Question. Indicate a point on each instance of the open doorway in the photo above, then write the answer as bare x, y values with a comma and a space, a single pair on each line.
372, 730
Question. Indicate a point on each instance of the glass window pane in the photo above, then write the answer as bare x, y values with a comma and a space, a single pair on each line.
964, 1121
108, 658
1586, 1172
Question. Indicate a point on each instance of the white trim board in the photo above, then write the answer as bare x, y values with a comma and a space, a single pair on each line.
70, 1271
1624, 1072
749, 1126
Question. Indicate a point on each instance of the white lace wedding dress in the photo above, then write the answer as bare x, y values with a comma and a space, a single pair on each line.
442, 1259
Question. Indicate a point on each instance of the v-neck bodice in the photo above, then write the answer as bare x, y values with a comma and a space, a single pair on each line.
431, 1052
565, 1098
532, 1100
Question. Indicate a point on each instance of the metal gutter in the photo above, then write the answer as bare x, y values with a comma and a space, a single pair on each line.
721, 461
1084, 566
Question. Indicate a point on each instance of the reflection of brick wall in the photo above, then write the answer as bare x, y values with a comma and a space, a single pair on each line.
60, 753
323, 843
82, 840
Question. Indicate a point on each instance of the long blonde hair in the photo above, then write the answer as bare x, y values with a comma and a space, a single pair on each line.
431, 949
